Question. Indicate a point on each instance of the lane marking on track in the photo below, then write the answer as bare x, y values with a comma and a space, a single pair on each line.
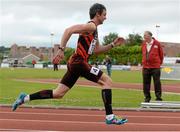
28, 130
48, 121
89, 115
61, 131
85, 122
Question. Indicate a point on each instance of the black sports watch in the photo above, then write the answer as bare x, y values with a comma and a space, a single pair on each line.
61, 48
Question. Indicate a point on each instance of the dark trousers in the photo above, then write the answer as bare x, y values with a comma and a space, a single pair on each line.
109, 70
55, 67
147, 74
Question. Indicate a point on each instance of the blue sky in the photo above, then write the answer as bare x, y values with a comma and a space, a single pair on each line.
30, 22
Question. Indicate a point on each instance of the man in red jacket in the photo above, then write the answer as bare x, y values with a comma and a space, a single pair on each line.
152, 58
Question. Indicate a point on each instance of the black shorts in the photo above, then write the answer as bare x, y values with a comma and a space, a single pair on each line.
80, 68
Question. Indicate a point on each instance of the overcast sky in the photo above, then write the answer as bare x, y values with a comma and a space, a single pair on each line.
30, 22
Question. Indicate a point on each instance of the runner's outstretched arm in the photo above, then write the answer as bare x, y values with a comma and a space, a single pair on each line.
104, 48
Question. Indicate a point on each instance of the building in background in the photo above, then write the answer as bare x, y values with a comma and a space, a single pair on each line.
43, 53
171, 49
19, 54
31, 58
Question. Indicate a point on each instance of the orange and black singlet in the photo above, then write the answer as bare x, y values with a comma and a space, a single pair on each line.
78, 63
85, 45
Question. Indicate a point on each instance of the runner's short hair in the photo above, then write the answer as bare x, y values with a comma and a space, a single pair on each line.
96, 8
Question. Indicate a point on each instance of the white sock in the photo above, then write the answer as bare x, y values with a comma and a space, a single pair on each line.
109, 117
26, 99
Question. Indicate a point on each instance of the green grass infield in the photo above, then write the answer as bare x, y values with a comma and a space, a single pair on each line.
79, 95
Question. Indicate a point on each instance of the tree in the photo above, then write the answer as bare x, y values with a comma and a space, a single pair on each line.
130, 53
68, 52
178, 55
134, 39
2, 49
4, 52
1, 57
109, 38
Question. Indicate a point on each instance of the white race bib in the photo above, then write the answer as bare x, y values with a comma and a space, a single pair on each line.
92, 46
94, 71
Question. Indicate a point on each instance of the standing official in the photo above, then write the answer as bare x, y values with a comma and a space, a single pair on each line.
152, 58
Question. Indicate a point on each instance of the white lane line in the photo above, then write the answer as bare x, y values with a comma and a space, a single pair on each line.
85, 122
55, 114
27, 130
89, 115
23, 130
48, 121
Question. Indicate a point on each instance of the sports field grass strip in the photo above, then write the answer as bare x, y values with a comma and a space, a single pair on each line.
117, 76
77, 96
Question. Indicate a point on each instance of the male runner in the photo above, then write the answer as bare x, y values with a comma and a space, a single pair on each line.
78, 63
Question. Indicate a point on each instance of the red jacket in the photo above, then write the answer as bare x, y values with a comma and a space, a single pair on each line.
154, 58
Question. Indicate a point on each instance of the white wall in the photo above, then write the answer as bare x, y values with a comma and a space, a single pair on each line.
170, 60
5, 65
40, 66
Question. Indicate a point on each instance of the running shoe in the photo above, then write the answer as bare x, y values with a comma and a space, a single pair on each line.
116, 120
19, 101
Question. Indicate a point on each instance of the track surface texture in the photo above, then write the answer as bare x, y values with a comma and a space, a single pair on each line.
36, 119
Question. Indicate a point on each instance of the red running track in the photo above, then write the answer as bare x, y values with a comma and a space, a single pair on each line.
174, 88
25, 119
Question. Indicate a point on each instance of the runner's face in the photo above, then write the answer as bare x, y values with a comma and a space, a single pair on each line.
102, 17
